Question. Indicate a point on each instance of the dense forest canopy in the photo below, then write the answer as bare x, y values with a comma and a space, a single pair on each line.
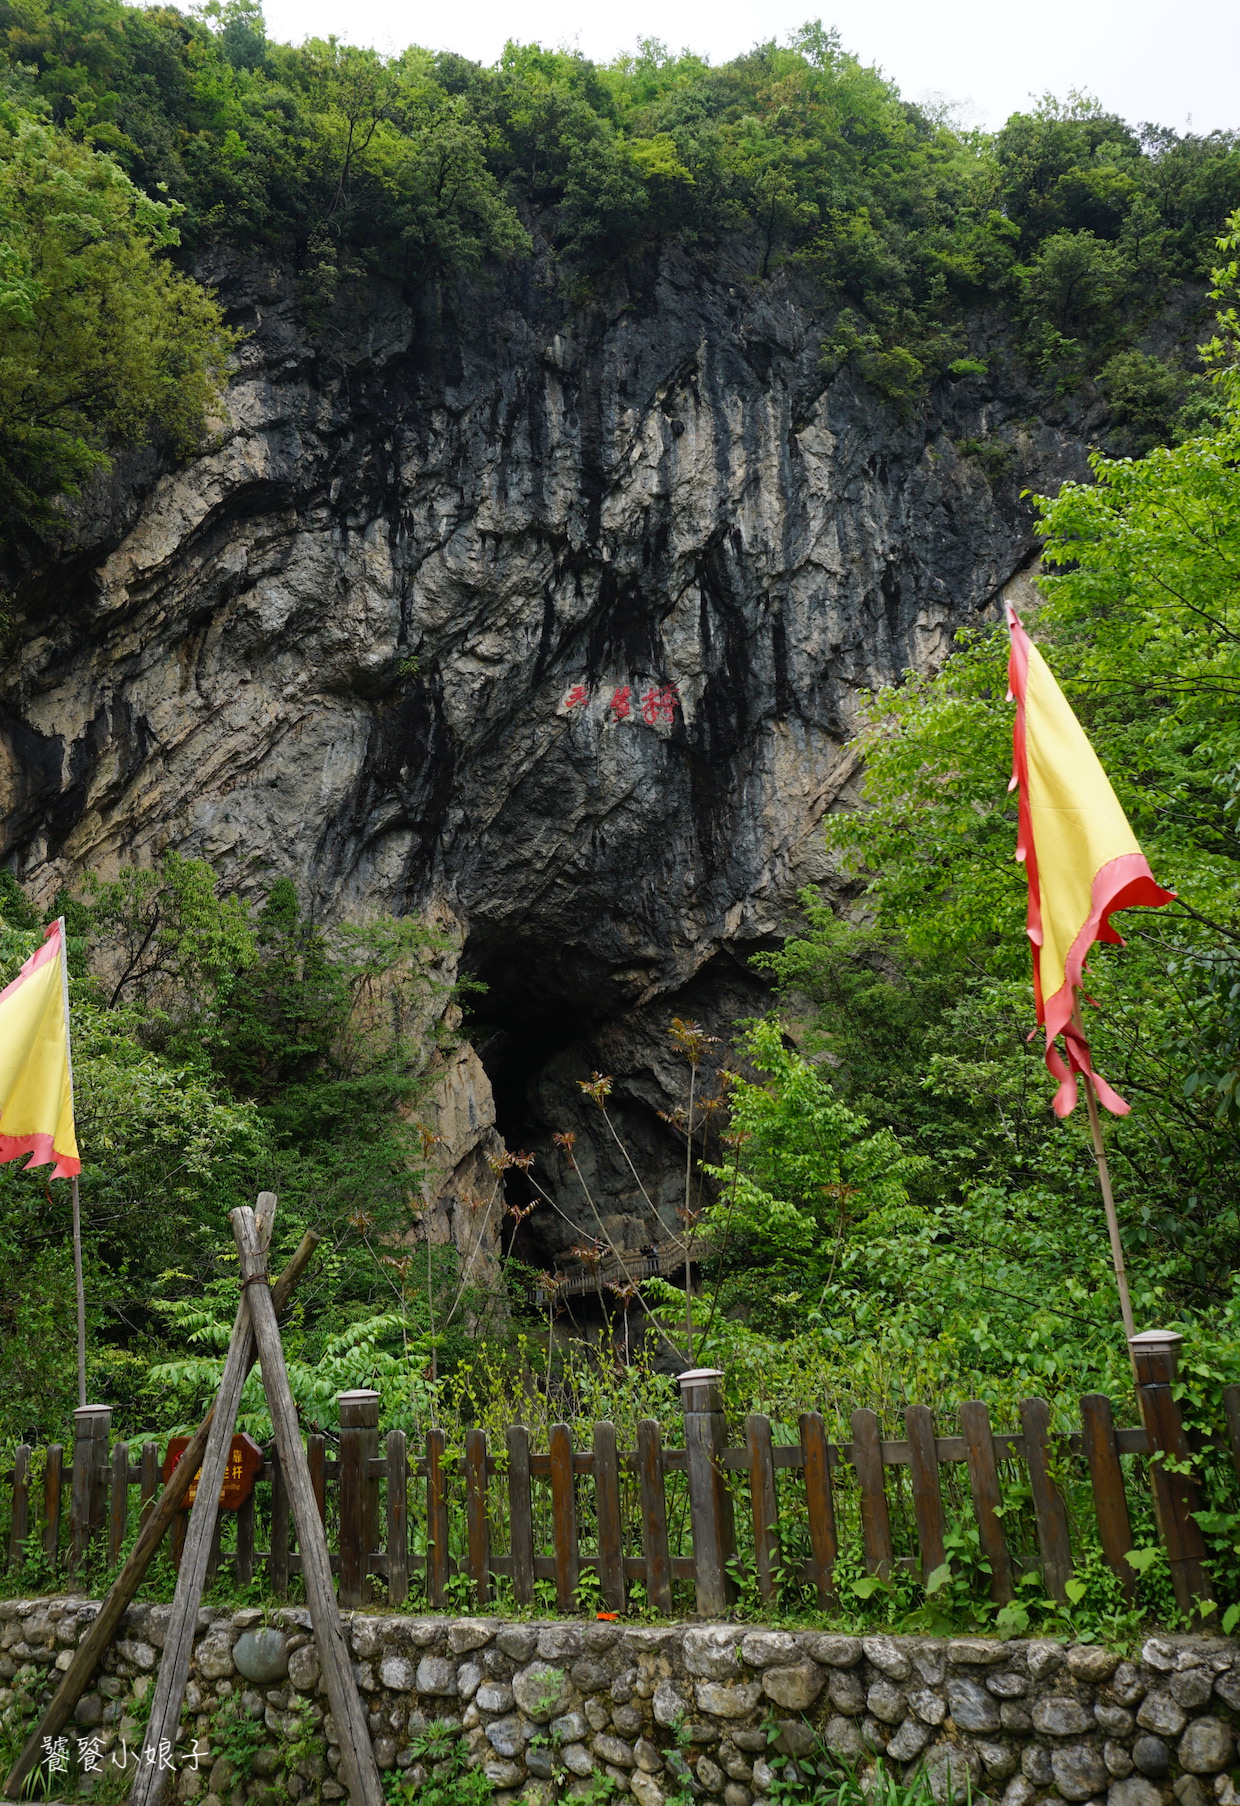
132, 136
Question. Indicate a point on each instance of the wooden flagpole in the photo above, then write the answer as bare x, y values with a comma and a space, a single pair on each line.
79, 1283
90, 1650
1104, 1182
164, 1719
358, 1767
80, 1287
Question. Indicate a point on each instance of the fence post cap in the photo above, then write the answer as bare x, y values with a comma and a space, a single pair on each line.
88, 1413
700, 1389
1156, 1338
359, 1409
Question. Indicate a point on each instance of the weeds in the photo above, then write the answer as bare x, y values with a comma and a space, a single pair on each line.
439, 1775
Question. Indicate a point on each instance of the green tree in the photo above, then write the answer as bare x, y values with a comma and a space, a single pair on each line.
165, 1153
102, 341
1075, 279
923, 1006
807, 1173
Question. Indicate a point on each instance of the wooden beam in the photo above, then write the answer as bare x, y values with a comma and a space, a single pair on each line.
90, 1650
164, 1720
359, 1769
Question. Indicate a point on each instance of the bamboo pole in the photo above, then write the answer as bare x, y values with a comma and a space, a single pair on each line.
78, 1281
90, 1650
1104, 1182
359, 1769
80, 1288
164, 1719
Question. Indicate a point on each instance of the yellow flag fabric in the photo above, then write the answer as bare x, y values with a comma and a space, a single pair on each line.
36, 1079
1081, 857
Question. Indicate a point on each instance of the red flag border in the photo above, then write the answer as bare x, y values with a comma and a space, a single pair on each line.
39, 1147
1119, 884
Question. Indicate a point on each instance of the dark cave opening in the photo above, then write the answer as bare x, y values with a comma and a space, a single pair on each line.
547, 1021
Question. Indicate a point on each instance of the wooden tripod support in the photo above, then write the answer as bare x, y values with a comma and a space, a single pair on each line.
357, 1757
120, 1595
256, 1328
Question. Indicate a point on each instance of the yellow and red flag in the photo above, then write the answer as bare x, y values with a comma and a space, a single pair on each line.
36, 1076
1081, 857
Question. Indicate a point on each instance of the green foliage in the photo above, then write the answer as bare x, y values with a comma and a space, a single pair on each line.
217, 1051
446, 1779
167, 934
806, 1174
1074, 279
419, 167
915, 1006
1145, 396
102, 341
236, 1737
818, 1778
166, 1154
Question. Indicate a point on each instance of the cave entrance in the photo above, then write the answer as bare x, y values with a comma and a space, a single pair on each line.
605, 1200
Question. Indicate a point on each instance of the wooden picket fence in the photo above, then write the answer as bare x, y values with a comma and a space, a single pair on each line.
684, 1519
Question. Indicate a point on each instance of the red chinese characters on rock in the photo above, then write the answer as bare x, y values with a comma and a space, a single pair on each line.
659, 704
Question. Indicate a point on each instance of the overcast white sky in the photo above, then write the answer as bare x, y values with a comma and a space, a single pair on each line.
1145, 59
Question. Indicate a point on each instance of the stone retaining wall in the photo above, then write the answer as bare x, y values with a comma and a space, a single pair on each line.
712, 1712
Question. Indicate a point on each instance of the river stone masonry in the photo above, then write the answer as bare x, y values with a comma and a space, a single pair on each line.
713, 1711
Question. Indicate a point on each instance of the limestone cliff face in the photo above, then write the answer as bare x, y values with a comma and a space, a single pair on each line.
554, 619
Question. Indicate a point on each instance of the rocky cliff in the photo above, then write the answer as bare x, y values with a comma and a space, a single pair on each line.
547, 620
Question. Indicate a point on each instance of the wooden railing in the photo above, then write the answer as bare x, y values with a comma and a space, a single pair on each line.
659, 1261
687, 1524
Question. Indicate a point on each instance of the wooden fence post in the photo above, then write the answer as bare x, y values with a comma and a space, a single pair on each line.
923, 1461
20, 1526
359, 1490
1106, 1483
824, 1541
438, 1566
397, 1517
118, 1501
278, 1565
987, 1498
91, 1426
243, 1567
710, 1501
564, 1517
316, 1461
610, 1521
1154, 1354
53, 1478
655, 1546
868, 1465
477, 1529
520, 1514
1049, 1509
763, 1502
149, 1466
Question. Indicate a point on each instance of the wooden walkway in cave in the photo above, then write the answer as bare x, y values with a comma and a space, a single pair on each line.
659, 1260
